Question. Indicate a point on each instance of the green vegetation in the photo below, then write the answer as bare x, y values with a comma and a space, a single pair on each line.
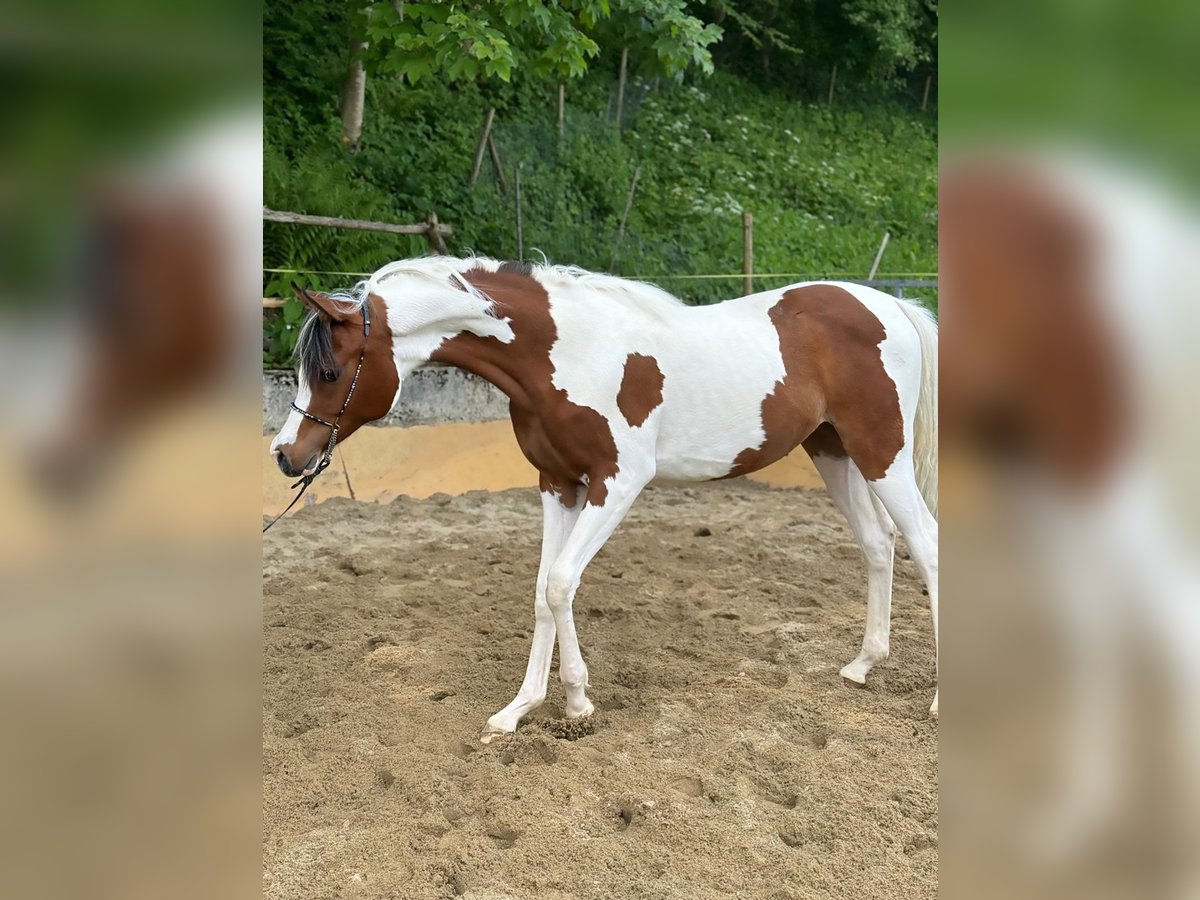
823, 183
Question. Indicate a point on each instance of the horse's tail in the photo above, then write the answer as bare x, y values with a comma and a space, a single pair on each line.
925, 427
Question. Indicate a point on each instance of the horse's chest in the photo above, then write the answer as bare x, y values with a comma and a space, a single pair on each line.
565, 439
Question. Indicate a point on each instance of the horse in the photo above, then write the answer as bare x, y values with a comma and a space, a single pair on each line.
615, 383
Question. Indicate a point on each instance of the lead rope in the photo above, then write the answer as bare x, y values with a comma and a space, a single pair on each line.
333, 426
308, 479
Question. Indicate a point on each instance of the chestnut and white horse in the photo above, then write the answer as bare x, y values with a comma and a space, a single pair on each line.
614, 383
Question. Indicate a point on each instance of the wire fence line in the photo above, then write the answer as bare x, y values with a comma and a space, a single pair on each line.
820, 276
900, 285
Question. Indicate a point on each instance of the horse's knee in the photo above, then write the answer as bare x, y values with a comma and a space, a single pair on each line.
542, 613
560, 587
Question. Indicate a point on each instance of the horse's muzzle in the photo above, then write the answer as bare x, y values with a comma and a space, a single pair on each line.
285, 465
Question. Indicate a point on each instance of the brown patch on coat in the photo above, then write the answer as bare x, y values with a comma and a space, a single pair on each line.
833, 374
566, 442
641, 389
377, 385
1035, 373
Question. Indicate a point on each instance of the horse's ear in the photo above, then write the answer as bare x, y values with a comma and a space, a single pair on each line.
321, 303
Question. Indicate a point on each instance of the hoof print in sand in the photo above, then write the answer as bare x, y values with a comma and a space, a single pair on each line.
503, 836
629, 814
689, 787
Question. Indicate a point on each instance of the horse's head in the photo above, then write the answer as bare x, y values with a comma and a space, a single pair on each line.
346, 377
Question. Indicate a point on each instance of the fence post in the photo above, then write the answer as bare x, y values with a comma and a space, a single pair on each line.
747, 253
925, 99
479, 148
624, 217
887, 236
562, 103
496, 164
832, 82
621, 86
434, 235
517, 201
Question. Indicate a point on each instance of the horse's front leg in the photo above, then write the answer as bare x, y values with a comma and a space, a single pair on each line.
559, 512
605, 507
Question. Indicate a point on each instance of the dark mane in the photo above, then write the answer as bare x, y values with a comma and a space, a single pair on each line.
517, 268
314, 346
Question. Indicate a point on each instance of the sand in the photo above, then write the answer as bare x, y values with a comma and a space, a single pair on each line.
726, 758
384, 463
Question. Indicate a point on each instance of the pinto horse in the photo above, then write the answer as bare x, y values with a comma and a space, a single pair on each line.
614, 383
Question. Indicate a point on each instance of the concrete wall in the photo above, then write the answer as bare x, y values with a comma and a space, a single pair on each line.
429, 397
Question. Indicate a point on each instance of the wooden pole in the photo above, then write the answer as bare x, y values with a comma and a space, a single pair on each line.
624, 218
433, 233
832, 82
621, 86
517, 201
496, 164
747, 253
925, 99
291, 218
354, 88
562, 109
887, 236
483, 136
346, 472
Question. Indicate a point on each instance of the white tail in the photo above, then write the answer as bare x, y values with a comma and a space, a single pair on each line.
925, 428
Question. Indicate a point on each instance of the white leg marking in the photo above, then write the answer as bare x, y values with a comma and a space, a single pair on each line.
876, 536
898, 492
593, 527
557, 524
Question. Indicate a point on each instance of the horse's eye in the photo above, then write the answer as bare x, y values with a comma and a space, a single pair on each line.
329, 375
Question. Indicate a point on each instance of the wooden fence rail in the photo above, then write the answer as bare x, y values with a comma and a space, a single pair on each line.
434, 232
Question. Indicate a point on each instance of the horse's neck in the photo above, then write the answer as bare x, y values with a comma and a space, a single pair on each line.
426, 319
510, 348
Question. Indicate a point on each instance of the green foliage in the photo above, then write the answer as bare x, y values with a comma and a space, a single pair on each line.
878, 45
465, 42
823, 184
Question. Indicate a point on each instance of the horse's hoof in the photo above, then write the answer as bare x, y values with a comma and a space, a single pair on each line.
578, 713
854, 674
491, 732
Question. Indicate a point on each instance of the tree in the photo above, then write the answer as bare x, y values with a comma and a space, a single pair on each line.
475, 41
795, 42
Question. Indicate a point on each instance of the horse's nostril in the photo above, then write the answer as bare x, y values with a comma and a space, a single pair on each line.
280, 460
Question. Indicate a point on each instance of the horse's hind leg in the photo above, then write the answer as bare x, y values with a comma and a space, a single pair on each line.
902, 499
873, 530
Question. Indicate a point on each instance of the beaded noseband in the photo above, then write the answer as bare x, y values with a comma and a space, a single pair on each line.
333, 426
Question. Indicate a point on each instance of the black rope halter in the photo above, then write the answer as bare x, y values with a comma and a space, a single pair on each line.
333, 426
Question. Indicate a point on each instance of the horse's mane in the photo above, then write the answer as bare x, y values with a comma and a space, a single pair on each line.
452, 269
314, 344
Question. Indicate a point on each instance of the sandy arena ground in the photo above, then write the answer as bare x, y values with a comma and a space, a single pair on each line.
726, 758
